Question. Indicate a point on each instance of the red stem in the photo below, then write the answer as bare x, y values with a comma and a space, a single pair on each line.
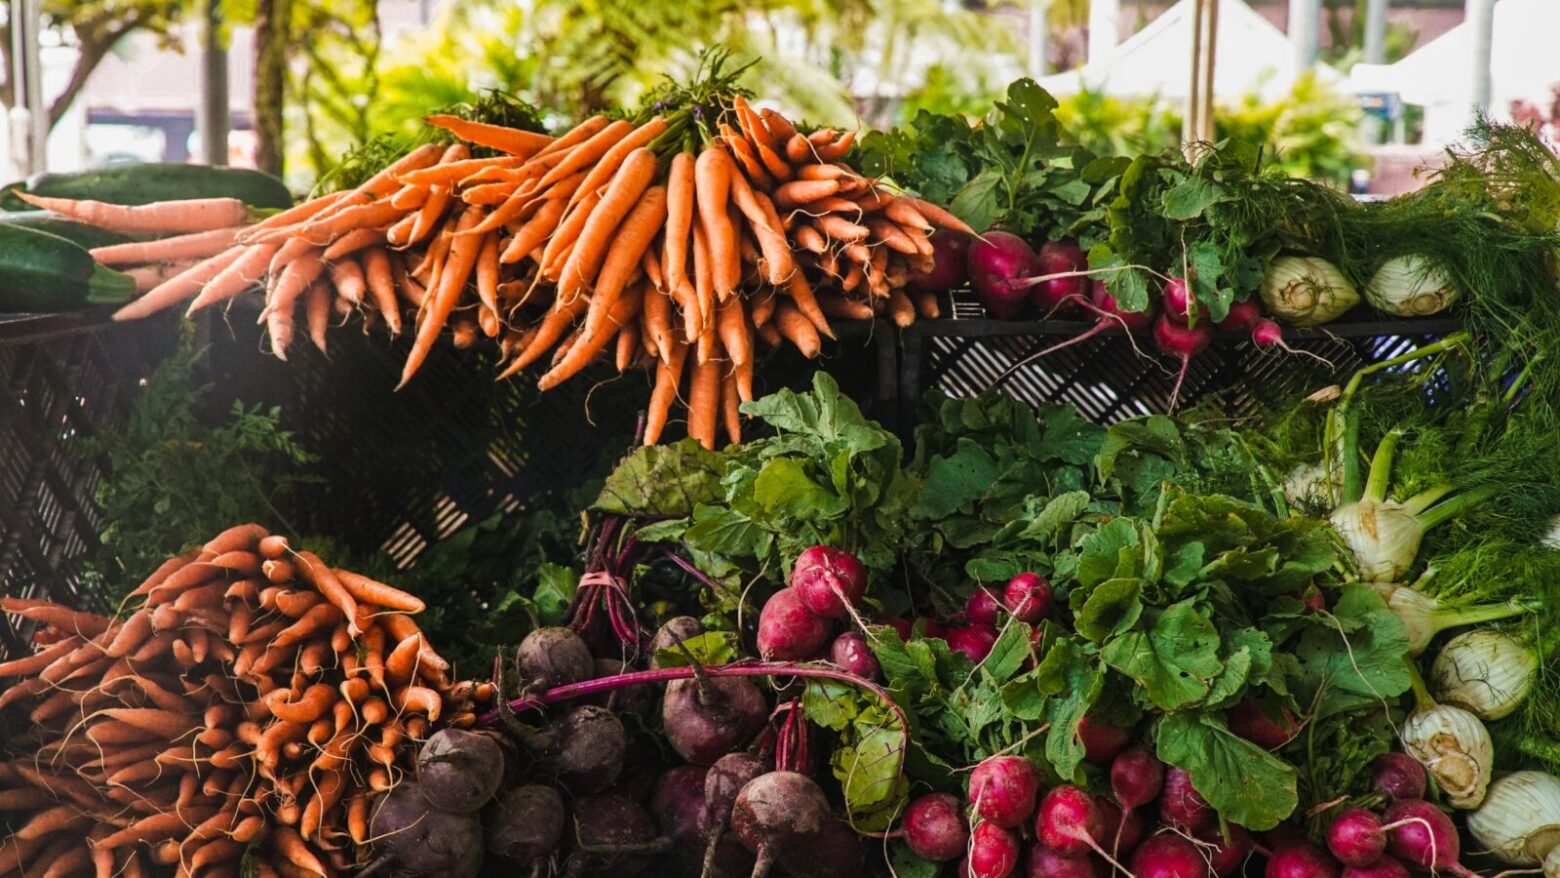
666, 675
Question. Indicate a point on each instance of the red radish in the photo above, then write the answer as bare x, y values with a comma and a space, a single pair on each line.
1178, 301
1136, 777
1070, 823
982, 607
1228, 853
1102, 741
829, 581
851, 652
1174, 338
935, 828
1356, 837
1059, 293
901, 626
993, 852
975, 641
1268, 334
1110, 316
1423, 837
932, 628
1386, 867
1262, 723
999, 265
1125, 831
1042, 862
1242, 318
1304, 860
950, 253
1399, 775
1003, 790
1180, 805
1314, 600
1168, 855
788, 631
1028, 597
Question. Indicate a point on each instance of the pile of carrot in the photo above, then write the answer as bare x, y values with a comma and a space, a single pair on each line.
241, 716
639, 242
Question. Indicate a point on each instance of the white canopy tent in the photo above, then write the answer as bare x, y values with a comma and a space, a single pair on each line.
1439, 75
1251, 56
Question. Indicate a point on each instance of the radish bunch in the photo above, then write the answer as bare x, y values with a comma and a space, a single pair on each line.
797, 623
1408, 834
1026, 598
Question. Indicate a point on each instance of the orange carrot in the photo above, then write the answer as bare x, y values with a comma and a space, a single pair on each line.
502, 138
761, 216
240, 275
799, 192
369, 591
305, 708
712, 187
316, 310
409, 197
657, 318
535, 230
352, 242
487, 275
573, 137
562, 240
587, 153
447, 171
386, 181
797, 329
704, 402
798, 149
747, 156
298, 213
184, 285
833, 152
323, 230
630, 242
316, 619
376, 270
548, 332
418, 699
937, 216
463, 257
318, 574
732, 323
148, 277
32, 664
730, 407
802, 295
841, 229
622, 196
157, 218
584, 351
347, 275
197, 245
679, 219
900, 308
703, 282
603, 169
295, 280
295, 851
627, 342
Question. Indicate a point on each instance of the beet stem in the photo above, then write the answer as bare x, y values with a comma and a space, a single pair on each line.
599, 685
376, 866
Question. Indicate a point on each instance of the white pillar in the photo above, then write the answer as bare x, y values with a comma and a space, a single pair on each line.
1481, 24
211, 113
1376, 31
29, 120
1305, 18
1039, 37
1104, 22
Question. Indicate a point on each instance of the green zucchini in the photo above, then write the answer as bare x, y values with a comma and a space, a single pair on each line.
155, 181
79, 233
44, 272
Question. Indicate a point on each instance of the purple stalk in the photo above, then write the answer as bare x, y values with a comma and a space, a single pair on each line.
688, 568
665, 675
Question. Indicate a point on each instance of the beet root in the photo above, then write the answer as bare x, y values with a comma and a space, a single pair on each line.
528, 823
416, 840
616, 834
673, 631
833, 852
459, 771
706, 719
639, 700
778, 810
550, 657
585, 747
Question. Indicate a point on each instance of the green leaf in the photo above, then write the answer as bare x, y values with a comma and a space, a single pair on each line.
555, 585
663, 480
954, 482
1243, 782
1059, 512
1129, 286
1009, 653
1070, 674
727, 532
1022, 697
904, 863
1206, 262
1114, 550
1155, 434
783, 488
1358, 661
869, 770
1111, 608
976, 202
1176, 660
709, 648
1190, 197
1249, 656
825, 416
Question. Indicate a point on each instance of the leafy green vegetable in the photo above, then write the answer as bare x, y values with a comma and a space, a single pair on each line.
1245, 783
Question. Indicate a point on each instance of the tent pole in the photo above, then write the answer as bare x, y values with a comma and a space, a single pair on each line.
1039, 37
1194, 89
1481, 23
1305, 17
30, 119
1104, 17
1376, 31
211, 113
1210, 42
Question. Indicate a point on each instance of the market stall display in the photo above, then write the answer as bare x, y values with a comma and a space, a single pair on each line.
1316, 641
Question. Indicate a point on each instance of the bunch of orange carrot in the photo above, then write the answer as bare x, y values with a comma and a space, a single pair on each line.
705, 229
249, 707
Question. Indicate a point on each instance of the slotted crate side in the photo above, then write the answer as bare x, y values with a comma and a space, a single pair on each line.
60, 387
402, 469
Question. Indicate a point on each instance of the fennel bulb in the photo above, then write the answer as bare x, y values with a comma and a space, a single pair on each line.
1454, 746
1423, 616
1485, 672
1519, 821
1306, 290
1410, 286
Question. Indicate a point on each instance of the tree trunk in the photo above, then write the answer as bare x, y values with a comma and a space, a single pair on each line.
271, 20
